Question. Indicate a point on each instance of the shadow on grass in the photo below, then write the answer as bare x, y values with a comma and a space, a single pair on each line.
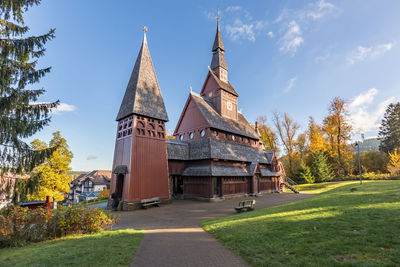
107, 248
354, 228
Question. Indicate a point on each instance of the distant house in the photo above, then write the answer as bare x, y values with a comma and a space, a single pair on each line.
7, 184
370, 144
94, 181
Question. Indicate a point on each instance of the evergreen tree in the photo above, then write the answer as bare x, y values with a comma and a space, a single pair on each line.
52, 175
320, 168
20, 116
304, 173
389, 131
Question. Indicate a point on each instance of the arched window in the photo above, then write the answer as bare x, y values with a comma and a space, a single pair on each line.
181, 137
191, 135
202, 133
215, 133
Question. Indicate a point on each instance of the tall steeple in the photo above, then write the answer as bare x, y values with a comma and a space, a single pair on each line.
143, 94
218, 63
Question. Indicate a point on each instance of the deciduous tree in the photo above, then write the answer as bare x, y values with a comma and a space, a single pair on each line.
337, 129
394, 162
315, 136
287, 130
268, 135
52, 175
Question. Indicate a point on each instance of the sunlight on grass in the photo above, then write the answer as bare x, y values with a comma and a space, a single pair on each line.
107, 248
337, 226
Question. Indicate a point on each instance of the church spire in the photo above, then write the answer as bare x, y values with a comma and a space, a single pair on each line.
218, 63
143, 94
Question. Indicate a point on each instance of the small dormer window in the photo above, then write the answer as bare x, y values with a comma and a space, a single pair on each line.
223, 75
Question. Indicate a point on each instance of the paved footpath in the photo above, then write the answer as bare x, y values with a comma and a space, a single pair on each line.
173, 236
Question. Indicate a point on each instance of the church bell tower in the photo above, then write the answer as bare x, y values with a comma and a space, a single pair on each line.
140, 166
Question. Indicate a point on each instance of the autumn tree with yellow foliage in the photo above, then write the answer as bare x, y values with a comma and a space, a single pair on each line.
267, 134
394, 162
337, 130
315, 137
52, 175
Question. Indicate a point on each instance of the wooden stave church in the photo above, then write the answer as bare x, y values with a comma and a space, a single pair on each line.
216, 153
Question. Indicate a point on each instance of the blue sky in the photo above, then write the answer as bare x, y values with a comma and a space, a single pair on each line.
286, 56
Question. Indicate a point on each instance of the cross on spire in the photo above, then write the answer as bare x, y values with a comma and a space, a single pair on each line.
144, 29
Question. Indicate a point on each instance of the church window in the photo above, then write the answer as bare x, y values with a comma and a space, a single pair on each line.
181, 137
241, 139
233, 137
210, 94
202, 133
130, 124
225, 136
191, 135
229, 106
138, 131
215, 133
223, 75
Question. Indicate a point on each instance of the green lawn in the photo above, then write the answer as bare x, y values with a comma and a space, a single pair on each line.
107, 248
336, 227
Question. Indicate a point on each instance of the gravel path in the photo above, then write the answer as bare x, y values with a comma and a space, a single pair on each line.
173, 236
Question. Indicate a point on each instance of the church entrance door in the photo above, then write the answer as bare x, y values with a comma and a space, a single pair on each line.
120, 185
177, 185
217, 186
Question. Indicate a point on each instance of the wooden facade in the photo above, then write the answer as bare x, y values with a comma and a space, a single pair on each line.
216, 152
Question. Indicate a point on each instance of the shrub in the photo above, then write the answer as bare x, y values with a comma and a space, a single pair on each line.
19, 226
104, 194
80, 220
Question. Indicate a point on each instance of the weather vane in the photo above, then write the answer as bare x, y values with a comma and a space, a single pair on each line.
144, 29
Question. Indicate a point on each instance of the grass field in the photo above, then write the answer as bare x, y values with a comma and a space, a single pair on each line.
339, 226
107, 248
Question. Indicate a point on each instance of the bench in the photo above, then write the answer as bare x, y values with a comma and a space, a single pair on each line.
155, 201
245, 205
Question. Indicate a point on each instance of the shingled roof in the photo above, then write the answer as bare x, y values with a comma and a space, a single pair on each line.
224, 85
218, 58
210, 148
216, 170
143, 94
98, 177
215, 120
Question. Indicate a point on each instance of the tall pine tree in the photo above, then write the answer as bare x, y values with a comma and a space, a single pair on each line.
20, 116
389, 131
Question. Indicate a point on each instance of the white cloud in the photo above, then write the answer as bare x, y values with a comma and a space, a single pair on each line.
91, 157
294, 22
271, 34
239, 30
63, 107
320, 9
364, 115
292, 38
362, 53
290, 85
322, 58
